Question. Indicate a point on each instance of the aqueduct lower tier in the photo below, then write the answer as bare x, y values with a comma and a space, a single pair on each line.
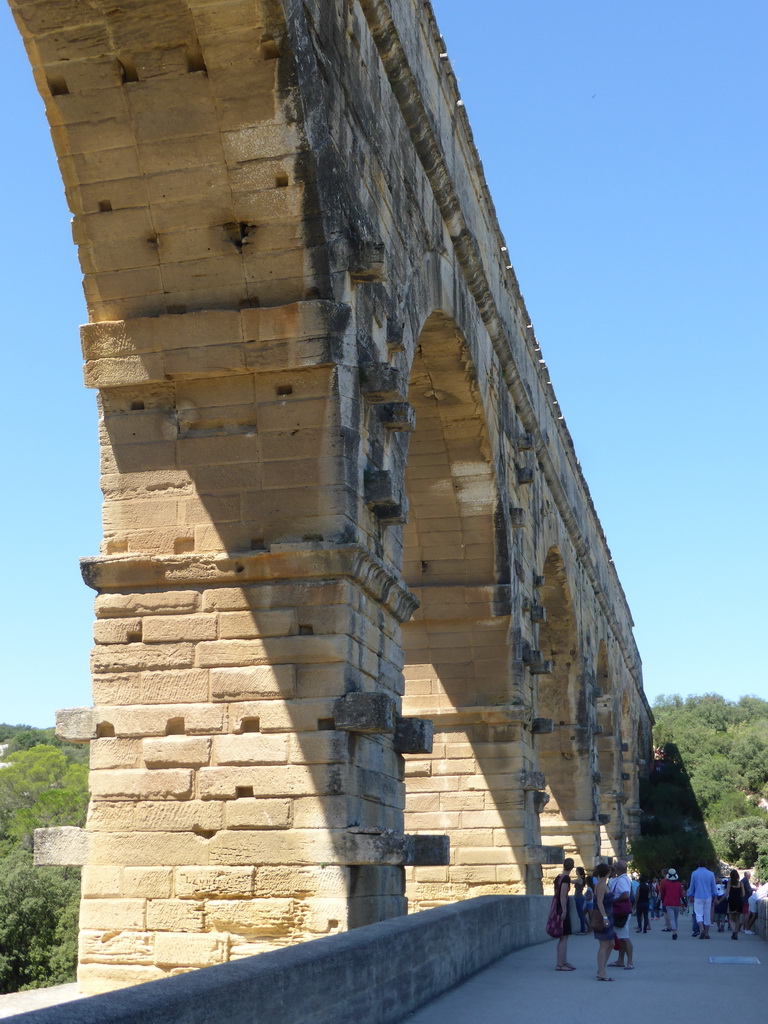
341, 506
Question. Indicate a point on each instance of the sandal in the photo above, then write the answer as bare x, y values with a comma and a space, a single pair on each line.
606, 978
564, 967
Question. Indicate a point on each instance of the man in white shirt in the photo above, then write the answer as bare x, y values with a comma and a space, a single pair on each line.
702, 890
621, 887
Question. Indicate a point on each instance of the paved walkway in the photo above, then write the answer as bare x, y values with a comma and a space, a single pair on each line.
36, 998
674, 980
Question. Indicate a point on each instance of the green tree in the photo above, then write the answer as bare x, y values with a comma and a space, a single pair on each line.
742, 842
41, 787
38, 914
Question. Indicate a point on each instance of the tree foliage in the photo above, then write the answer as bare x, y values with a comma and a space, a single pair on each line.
723, 746
41, 785
38, 922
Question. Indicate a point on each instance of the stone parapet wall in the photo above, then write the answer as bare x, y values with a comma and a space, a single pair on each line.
377, 974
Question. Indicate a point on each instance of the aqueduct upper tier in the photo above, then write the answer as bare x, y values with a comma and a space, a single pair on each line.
359, 637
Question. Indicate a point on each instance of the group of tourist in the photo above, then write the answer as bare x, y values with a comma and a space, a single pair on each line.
606, 901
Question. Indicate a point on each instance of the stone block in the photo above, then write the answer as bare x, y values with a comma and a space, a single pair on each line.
171, 602
109, 752
173, 948
65, 845
254, 917
198, 816
542, 725
250, 748
414, 736
138, 784
256, 682
425, 850
175, 915
398, 417
97, 978
147, 883
176, 751
104, 881
257, 814
116, 631
218, 882
536, 854
110, 947
76, 725
365, 713
272, 781
165, 628
190, 686
246, 625
532, 780
382, 382
147, 849
111, 914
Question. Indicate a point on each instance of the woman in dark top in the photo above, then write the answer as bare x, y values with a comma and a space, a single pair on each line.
734, 891
562, 885
643, 905
579, 885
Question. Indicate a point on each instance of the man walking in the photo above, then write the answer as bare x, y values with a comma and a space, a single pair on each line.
702, 890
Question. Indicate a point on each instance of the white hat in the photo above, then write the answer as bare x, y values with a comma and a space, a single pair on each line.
719, 889
672, 875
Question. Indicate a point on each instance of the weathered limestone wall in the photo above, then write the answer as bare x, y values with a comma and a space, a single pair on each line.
338, 490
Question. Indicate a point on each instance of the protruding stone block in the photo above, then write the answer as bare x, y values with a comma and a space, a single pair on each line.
536, 854
524, 476
380, 489
625, 748
76, 725
517, 518
381, 382
367, 262
427, 851
604, 819
414, 736
532, 780
525, 442
538, 613
365, 712
62, 846
398, 416
540, 801
625, 776
542, 725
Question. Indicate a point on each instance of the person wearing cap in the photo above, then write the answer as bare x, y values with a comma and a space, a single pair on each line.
671, 890
702, 890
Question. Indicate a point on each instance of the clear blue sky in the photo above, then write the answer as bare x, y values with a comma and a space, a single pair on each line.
626, 147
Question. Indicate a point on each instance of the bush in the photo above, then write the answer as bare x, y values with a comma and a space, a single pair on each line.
38, 923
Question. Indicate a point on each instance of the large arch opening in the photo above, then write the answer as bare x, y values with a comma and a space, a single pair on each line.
611, 843
456, 647
564, 754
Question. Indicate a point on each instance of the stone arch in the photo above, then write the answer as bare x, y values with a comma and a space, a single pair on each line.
608, 758
456, 647
564, 753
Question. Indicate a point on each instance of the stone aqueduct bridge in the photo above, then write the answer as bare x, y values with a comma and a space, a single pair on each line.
340, 500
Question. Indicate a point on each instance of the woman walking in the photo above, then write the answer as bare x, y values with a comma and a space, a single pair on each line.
734, 891
604, 935
562, 885
671, 890
643, 904
579, 887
